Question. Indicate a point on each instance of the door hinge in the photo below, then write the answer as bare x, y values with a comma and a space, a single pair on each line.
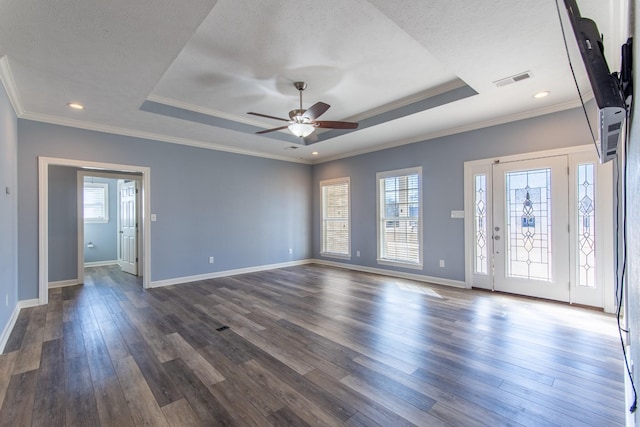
136, 191
136, 259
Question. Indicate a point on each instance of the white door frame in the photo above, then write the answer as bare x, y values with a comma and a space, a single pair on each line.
110, 175
604, 188
43, 214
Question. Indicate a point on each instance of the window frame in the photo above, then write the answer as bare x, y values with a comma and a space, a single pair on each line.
105, 191
323, 219
380, 221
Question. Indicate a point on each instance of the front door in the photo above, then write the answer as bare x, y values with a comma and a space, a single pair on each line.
128, 227
531, 245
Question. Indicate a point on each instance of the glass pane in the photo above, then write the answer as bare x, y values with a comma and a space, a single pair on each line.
335, 231
529, 224
480, 224
400, 218
586, 226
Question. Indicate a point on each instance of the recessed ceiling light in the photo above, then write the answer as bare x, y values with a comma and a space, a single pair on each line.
315, 153
75, 106
542, 94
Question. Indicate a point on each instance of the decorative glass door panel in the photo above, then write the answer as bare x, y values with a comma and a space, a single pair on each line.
530, 234
592, 232
528, 224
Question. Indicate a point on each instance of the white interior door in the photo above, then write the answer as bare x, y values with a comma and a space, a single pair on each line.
531, 244
127, 227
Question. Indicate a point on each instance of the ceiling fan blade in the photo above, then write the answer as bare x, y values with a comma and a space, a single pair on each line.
271, 130
316, 110
336, 125
268, 117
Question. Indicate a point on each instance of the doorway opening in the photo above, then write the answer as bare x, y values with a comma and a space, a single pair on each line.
144, 223
108, 221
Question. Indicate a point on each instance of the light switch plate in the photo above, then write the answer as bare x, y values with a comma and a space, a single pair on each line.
457, 214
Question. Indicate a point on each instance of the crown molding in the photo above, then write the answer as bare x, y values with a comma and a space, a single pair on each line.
9, 83
45, 118
459, 129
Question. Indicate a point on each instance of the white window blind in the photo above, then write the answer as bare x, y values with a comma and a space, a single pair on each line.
336, 239
399, 217
96, 202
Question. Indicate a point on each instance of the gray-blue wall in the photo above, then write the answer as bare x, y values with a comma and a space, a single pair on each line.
63, 224
8, 210
245, 211
442, 162
103, 236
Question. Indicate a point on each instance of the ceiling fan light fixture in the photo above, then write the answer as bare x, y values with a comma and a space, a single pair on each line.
301, 130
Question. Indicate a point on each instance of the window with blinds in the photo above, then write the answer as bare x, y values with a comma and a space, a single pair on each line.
399, 217
336, 238
96, 202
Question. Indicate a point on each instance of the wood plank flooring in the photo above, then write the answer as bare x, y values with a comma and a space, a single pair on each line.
306, 346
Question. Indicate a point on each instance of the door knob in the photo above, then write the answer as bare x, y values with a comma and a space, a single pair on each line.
496, 237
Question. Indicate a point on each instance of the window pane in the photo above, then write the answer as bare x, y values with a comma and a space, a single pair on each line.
586, 226
96, 208
400, 218
335, 217
529, 224
480, 223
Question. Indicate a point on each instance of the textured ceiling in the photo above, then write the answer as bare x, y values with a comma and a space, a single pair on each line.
188, 72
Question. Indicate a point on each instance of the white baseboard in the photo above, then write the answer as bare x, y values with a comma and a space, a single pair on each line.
225, 273
381, 271
101, 263
6, 332
398, 274
63, 283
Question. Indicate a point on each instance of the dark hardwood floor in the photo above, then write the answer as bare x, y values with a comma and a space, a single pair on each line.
308, 345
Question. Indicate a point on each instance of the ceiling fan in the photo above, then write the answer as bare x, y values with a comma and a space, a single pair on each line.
303, 122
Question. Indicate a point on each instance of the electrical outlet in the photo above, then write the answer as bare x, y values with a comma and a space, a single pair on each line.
211, 260
290, 251
442, 263
357, 253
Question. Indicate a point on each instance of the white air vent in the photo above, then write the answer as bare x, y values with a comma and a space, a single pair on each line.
513, 79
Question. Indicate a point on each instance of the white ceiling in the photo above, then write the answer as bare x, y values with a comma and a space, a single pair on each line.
188, 72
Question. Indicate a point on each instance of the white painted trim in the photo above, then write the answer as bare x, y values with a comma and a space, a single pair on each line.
64, 283
380, 271
101, 263
398, 274
457, 130
534, 155
225, 273
6, 332
43, 230
46, 118
43, 214
9, 83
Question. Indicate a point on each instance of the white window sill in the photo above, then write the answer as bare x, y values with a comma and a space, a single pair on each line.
400, 264
338, 256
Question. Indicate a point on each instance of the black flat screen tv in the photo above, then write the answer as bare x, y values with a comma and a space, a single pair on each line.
603, 101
